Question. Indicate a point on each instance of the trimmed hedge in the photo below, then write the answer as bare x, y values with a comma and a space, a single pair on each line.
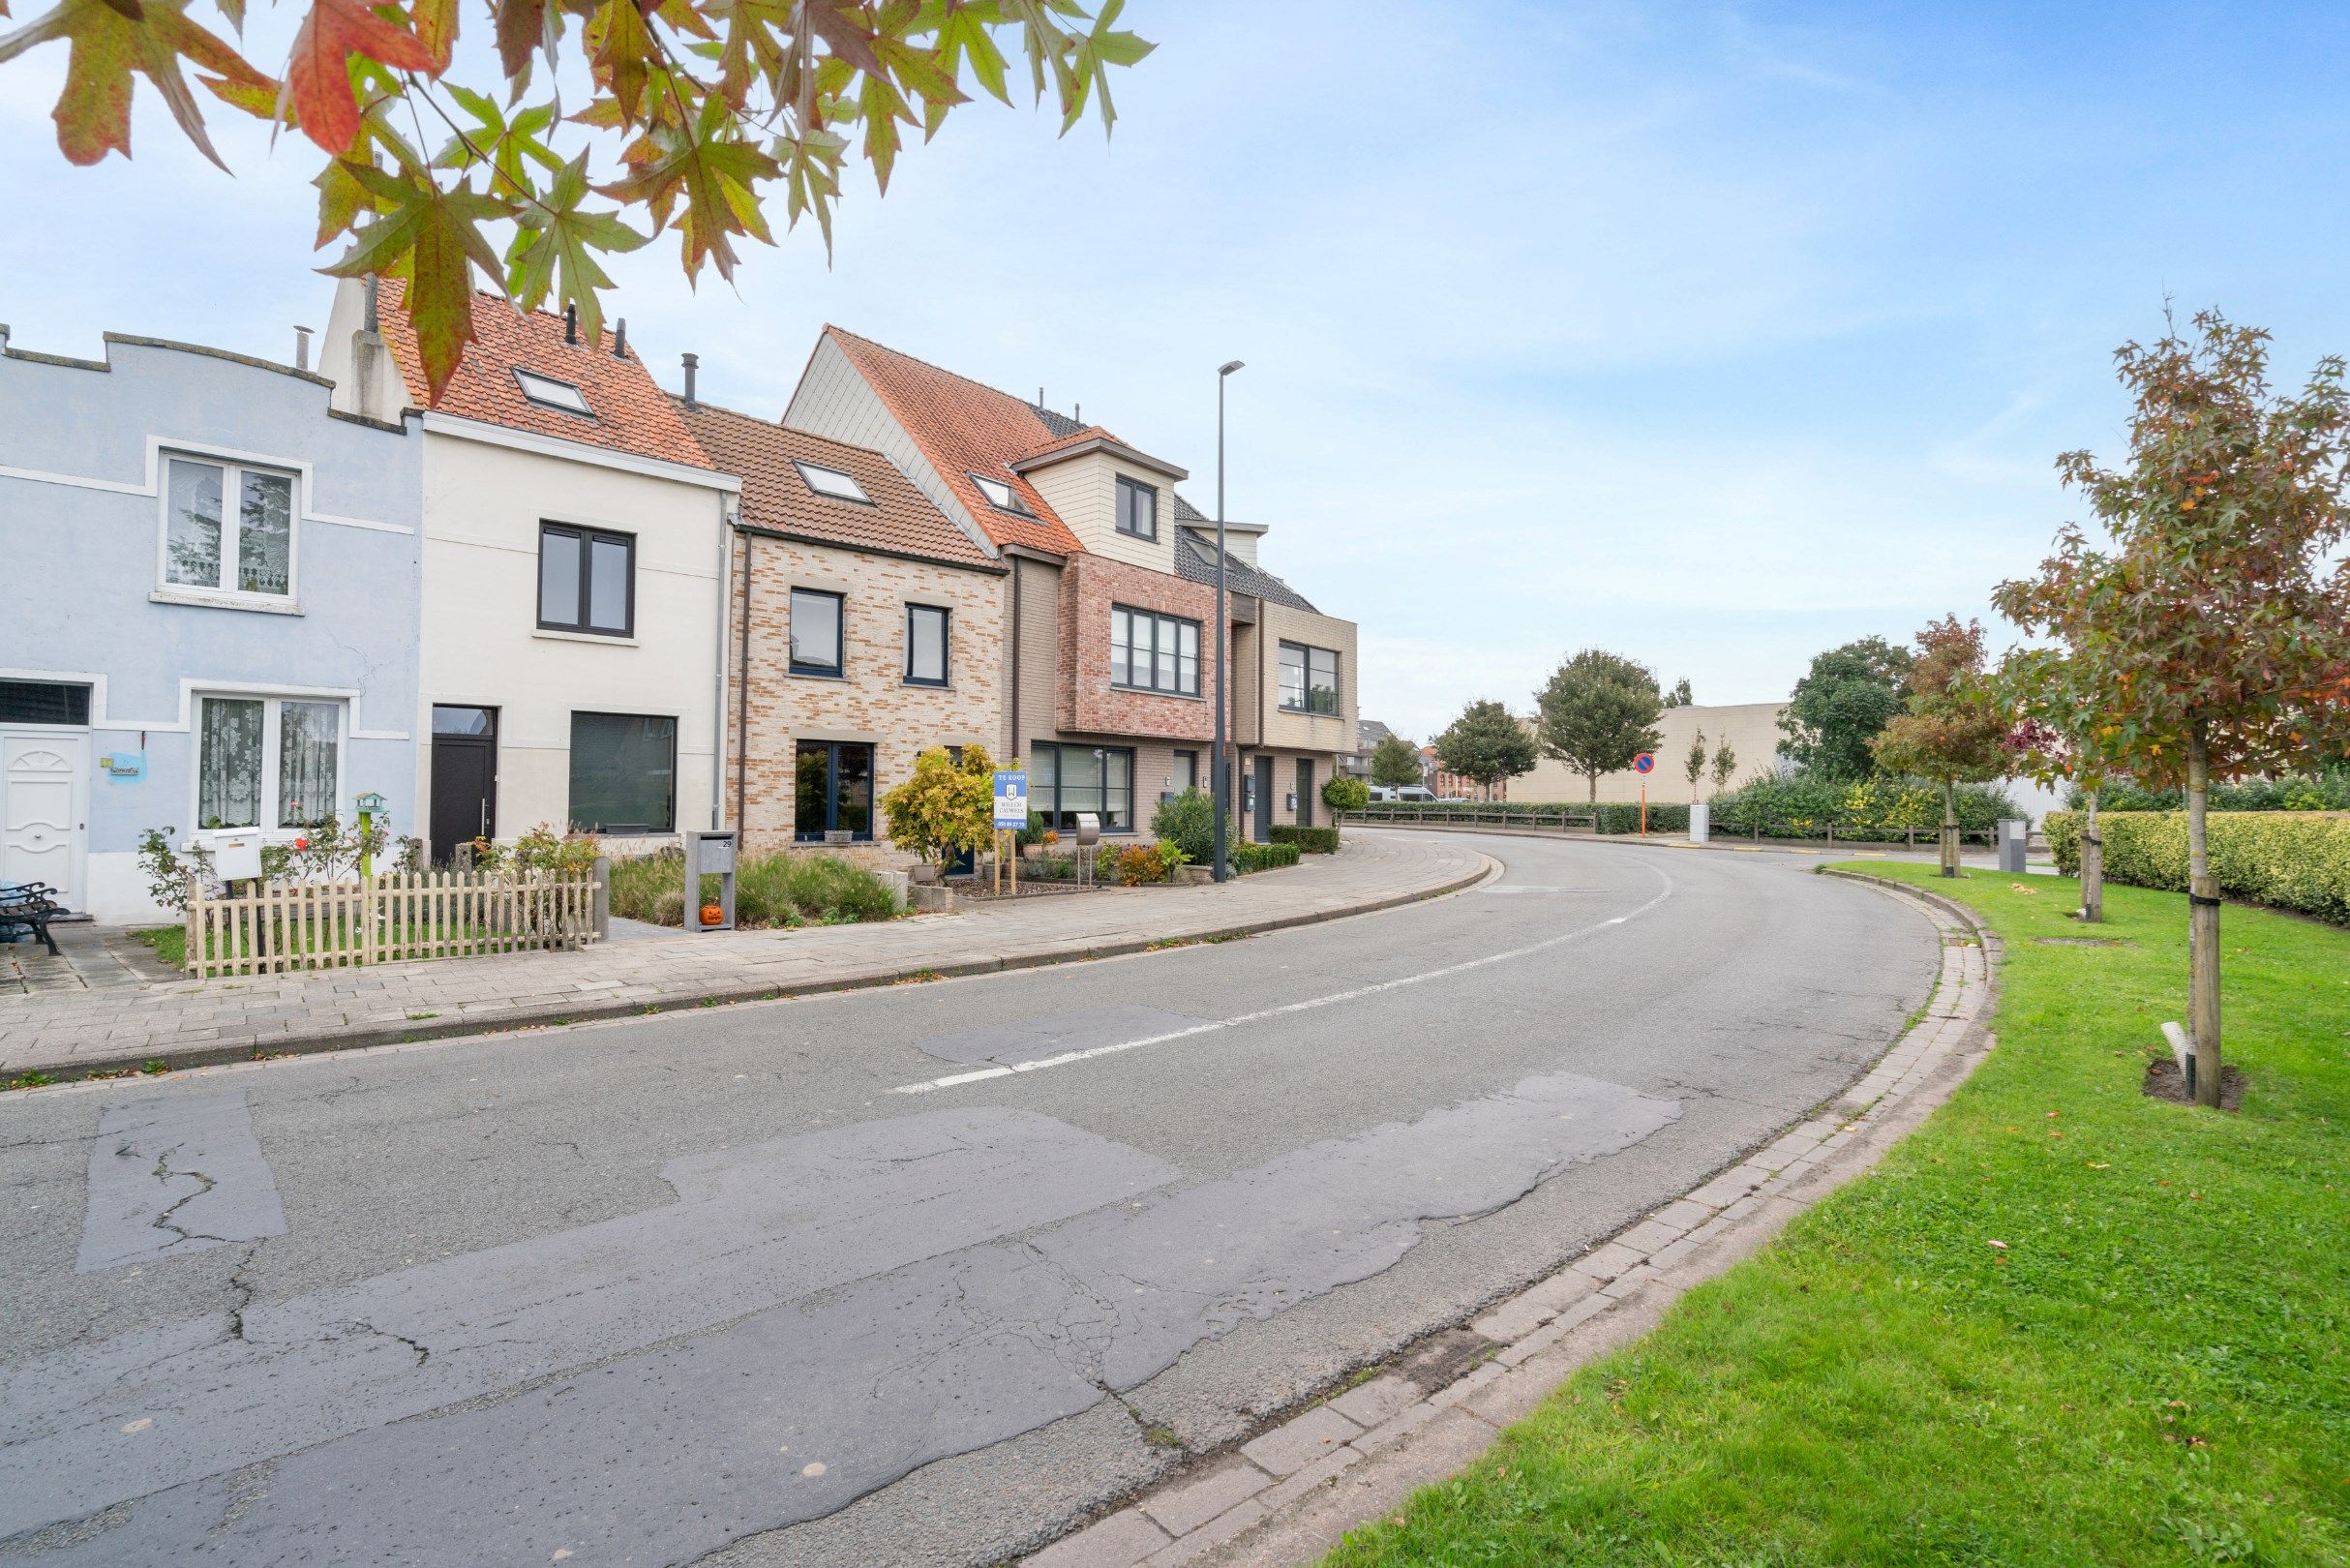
1311, 840
1882, 810
2327, 791
1247, 858
2290, 859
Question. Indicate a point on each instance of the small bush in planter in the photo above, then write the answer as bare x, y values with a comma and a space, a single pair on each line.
1311, 840
1188, 823
1247, 858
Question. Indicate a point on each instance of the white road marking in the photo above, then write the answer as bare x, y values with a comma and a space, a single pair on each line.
954, 1079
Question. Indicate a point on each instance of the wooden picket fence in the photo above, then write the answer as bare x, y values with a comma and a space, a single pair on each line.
291, 925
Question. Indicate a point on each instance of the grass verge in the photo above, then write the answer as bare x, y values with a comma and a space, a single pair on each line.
2152, 1369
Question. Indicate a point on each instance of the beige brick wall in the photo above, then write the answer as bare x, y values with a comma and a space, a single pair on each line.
873, 705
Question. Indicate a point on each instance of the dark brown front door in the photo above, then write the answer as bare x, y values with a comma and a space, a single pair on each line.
1304, 792
465, 778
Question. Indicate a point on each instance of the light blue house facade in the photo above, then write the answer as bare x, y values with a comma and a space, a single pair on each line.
208, 609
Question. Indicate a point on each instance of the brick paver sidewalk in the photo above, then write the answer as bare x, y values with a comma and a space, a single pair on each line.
187, 1023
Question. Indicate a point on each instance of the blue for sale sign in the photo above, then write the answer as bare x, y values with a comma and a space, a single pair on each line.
1012, 799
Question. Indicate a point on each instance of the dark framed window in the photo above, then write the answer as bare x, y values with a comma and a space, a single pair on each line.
833, 790
1154, 653
1184, 775
1064, 781
587, 581
624, 773
44, 702
926, 627
817, 619
1310, 679
1137, 508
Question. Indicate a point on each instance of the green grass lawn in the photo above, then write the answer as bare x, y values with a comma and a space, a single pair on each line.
2153, 1370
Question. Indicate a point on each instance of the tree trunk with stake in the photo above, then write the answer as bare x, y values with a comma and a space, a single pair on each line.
2203, 927
1949, 827
2092, 866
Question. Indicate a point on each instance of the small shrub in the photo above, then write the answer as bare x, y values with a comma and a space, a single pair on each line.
1188, 823
1342, 795
1311, 840
1137, 865
1247, 858
944, 806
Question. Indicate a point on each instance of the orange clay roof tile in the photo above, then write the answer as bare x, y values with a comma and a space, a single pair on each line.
962, 428
632, 415
900, 521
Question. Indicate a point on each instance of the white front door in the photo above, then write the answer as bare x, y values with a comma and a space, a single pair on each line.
44, 783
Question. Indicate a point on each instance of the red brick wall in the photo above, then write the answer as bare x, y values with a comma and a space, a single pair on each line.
1090, 585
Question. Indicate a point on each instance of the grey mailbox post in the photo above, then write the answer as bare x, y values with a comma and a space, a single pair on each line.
1089, 834
710, 855
2014, 832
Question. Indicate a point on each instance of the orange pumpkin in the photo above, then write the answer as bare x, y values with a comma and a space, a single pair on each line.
713, 914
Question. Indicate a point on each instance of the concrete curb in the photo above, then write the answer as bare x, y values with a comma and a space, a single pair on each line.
587, 1011
1289, 1494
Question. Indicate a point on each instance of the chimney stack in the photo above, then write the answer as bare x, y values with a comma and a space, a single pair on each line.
693, 362
571, 324
619, 339
370, 324
302, 348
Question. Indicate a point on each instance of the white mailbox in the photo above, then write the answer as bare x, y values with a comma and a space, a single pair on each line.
237, 858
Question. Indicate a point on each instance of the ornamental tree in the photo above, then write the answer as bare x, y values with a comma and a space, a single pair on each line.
1953, 729
1725, 765
1598, 712
702, 116
1847, 695
1395, 761
1486, 745
944, 806
2210, 598
1694, 764
2059, 704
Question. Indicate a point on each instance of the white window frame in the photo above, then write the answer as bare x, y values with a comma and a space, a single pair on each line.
232, 533
1012, 501
272, 735
855, 493
524, 380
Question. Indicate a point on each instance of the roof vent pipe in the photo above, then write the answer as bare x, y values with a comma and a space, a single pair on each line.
571, 324
693, 362
619, 339
301, 347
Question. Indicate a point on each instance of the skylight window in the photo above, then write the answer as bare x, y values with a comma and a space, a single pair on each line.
832, 482
1000, 495
549, 393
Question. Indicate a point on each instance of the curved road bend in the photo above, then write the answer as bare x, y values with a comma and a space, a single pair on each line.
714, 1287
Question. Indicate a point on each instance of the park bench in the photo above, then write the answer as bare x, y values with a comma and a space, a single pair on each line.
29, 905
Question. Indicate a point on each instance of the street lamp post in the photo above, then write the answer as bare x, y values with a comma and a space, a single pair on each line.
1222, 786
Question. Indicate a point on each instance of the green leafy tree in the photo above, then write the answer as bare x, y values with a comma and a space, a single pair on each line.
1486, 745
944, 806
711, 113
1694, 764
2059, 703
1342, 795
1725, 765
1953, 729
1598, 712
1395, 761
2212, 600
1679, 696
1843, 700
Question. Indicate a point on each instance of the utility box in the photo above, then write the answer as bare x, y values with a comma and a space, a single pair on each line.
710, 855
2014, 833
1700, 823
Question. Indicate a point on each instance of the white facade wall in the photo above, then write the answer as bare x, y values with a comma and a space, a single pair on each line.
481, 645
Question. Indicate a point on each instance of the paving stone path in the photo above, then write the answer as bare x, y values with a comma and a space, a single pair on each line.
72, 1028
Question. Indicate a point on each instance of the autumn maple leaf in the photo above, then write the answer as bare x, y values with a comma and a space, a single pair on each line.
318, 74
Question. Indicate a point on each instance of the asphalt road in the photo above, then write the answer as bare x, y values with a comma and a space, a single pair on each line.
854, 1279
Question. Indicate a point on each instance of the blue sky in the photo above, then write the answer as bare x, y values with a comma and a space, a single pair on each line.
1715, 335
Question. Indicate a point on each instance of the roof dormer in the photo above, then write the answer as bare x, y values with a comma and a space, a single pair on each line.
1118, 502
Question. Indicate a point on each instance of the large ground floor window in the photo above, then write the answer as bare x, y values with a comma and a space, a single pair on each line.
833, 790
267, 761
624, 773
1064, 781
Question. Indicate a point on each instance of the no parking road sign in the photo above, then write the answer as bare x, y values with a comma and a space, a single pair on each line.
1644, 763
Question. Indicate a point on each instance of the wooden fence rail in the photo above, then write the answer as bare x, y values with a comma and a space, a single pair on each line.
279, 926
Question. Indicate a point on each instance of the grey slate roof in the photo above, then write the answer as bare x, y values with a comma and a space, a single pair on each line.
1195, 561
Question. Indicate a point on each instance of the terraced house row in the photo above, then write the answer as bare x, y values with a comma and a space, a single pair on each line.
239, 594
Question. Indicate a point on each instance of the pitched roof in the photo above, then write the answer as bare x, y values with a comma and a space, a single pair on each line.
1198, 564
901, 521
631, 414
963, 426
1091, 438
